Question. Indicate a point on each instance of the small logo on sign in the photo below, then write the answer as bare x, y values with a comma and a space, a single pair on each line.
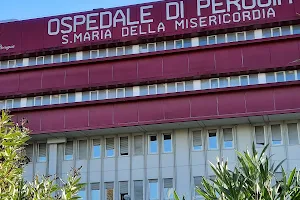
7, 47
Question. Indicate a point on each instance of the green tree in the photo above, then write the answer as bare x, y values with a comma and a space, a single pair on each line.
13, 159
253, 178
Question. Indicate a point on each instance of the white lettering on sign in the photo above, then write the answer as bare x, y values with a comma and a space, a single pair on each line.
133, 21
8, 47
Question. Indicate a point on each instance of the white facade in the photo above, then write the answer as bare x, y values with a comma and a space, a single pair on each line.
177, 166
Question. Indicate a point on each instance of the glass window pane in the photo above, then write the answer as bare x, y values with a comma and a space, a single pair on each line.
221, 38
180, 87
151, 47
160, 46
96, 148
244, 80
95, 191
152, 89
212, 139
102, 94
102, 53
280, 76
129, 92
266, 33
167, 143
72, 56
234, 81
214, 83
270, 77
94, 54
65, 57
120, 51
253, 79
197, 140
290, 75
143, 90
241, 36
2, 104
161, 88
250, 35
143, 48
120, 92
286, 30
30, 101
170, 45
86, 96
223, 82
82, 194
178, 44
71, 97
171, 87
55, 99
9, 103
153, 144
231, 37
212, 39
40, 60
46, 100
38, 101
42, 156
153, 190
293, 134
260, 136
205, 84
228, 138
187, 42
189, 85
110, 147
296, 29
111, 52
128, 50
202, 41
17, 103
112, 93
276, 32
69, 150
276, 135
63, 98
86, 55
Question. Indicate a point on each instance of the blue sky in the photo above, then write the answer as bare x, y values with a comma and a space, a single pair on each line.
27, 9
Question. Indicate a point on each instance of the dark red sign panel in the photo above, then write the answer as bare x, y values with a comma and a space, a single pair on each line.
145, 20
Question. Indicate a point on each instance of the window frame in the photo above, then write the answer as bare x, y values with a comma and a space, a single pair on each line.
265, 136
175, 43
123, 51
143, 145
217, 139
78, 148
281, 135
248, 79
272, 31
202, 139
92, 147
276, 79
155, 85
163, 143
64, 54
91, 92
94, 51
38, 57
176, 86
6, 104
288, 138
210, 83
149, 146
34, 100
38, 153
212, 36
73, 156
114, 154
157, 189
60, 95
122, 90
233, 138
241, 32
119, 138
14, 64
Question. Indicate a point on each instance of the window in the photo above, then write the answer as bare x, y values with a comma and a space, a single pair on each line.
46, 100
96, 148
290, 75
197, 184
124, 146
266, 33
270, 77
110, 147
123, 189
228, 138
65, 57
168, 189
95, 191
138, 145
178, 44
180, 87
138, 190
151, 47
189, 85
102, 94
160, 46
276, 32
197, 141
94, 54
111, 52
112, 93
212, 139
144, 90
109, 191
94, 95
171, 87
82, 149
29, 152
293, 134
167, 143
12, 63
234, 81
231, 37
280, 76
205, 84
120, 92
214, 83
286, 30
29, 101
38, 101
224, 82
9, 103
170, 45
63, 98
82, 194
128, 92
152, 89
153, 190
244, 80
40, 60
42, 152
296, 29
153, 144
253, 79
241, 36
69, 150
120, 51
161, 88
212, 39
259, 136
221, 39
85, 96
276, 135
187, 42
143, 48
202, 41
55, 99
